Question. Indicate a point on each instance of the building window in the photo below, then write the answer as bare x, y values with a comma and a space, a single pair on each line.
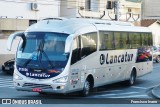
88, 4
31, 22
129, 10
110, 4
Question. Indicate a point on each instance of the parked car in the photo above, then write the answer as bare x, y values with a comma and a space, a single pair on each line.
8, 66
156, 54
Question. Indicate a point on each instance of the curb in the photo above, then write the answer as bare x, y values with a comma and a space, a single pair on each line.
156, 92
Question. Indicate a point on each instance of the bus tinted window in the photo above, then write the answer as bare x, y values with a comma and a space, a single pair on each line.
135, 40
144, 39
106, 40
76, 51
150, 41
125, 40
118, 40
89, 44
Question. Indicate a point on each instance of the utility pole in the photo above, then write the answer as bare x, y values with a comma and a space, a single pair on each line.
116, 5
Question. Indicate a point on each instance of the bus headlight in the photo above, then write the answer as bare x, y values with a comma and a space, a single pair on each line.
61, 80
17, 77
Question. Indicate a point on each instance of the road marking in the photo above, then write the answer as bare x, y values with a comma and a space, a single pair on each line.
139, 87
6, 82
106, 95
12, 87
6, 79
131, 96
7, 86
107, 91
154, 86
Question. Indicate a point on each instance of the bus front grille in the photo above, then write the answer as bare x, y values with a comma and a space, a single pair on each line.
42, 86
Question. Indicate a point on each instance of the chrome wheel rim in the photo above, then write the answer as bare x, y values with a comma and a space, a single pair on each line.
86, 88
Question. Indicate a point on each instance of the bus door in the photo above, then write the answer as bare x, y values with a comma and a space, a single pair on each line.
76, 67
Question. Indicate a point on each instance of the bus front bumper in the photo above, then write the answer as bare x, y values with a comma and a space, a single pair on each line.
34, 87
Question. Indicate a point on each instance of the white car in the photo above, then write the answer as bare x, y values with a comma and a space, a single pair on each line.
156, 54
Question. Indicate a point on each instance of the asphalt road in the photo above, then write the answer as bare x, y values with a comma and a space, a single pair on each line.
115, 93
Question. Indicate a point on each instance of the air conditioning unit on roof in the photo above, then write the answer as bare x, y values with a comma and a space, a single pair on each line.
34, 6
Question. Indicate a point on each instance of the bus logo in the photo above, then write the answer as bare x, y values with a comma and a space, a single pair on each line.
111, 59
102, 59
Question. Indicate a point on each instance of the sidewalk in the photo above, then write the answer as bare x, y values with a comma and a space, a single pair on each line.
156, 92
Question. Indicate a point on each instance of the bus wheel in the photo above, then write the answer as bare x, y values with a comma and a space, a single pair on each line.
86, 88
158, 59
132, 78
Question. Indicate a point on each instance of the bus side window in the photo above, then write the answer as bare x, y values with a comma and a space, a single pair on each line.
118, 41
75, 51
150, 41
144, 39
106, 40
125, 40
89, 44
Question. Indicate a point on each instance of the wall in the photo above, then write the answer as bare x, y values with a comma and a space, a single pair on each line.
15, 9
15, 15
4, 53
14, 24
110, 13
150, 8
68, 8
155, 27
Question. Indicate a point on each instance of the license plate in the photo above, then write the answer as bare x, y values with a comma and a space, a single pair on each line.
6, 68
36, 89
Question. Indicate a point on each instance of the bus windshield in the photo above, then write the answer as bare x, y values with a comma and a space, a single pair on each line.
44, 50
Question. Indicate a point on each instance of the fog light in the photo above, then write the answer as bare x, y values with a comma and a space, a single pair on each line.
18, 84
61, 80
60, 87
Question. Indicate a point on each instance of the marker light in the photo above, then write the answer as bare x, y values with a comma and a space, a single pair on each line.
17, 77
61, 80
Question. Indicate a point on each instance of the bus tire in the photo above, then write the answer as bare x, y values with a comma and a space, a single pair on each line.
86, 88
158, 59
132, 78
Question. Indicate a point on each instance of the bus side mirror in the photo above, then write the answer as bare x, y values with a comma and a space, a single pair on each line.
12, 37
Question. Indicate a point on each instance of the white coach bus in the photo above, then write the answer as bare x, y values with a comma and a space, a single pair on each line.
69, 55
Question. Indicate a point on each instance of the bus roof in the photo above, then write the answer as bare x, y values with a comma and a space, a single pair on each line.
73, 25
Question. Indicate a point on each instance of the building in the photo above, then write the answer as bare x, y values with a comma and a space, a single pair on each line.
150, 9
19, 14
154, 26
151, 18
124, 10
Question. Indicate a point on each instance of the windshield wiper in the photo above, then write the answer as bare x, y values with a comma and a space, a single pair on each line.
30, 59
40, 51
45, 55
